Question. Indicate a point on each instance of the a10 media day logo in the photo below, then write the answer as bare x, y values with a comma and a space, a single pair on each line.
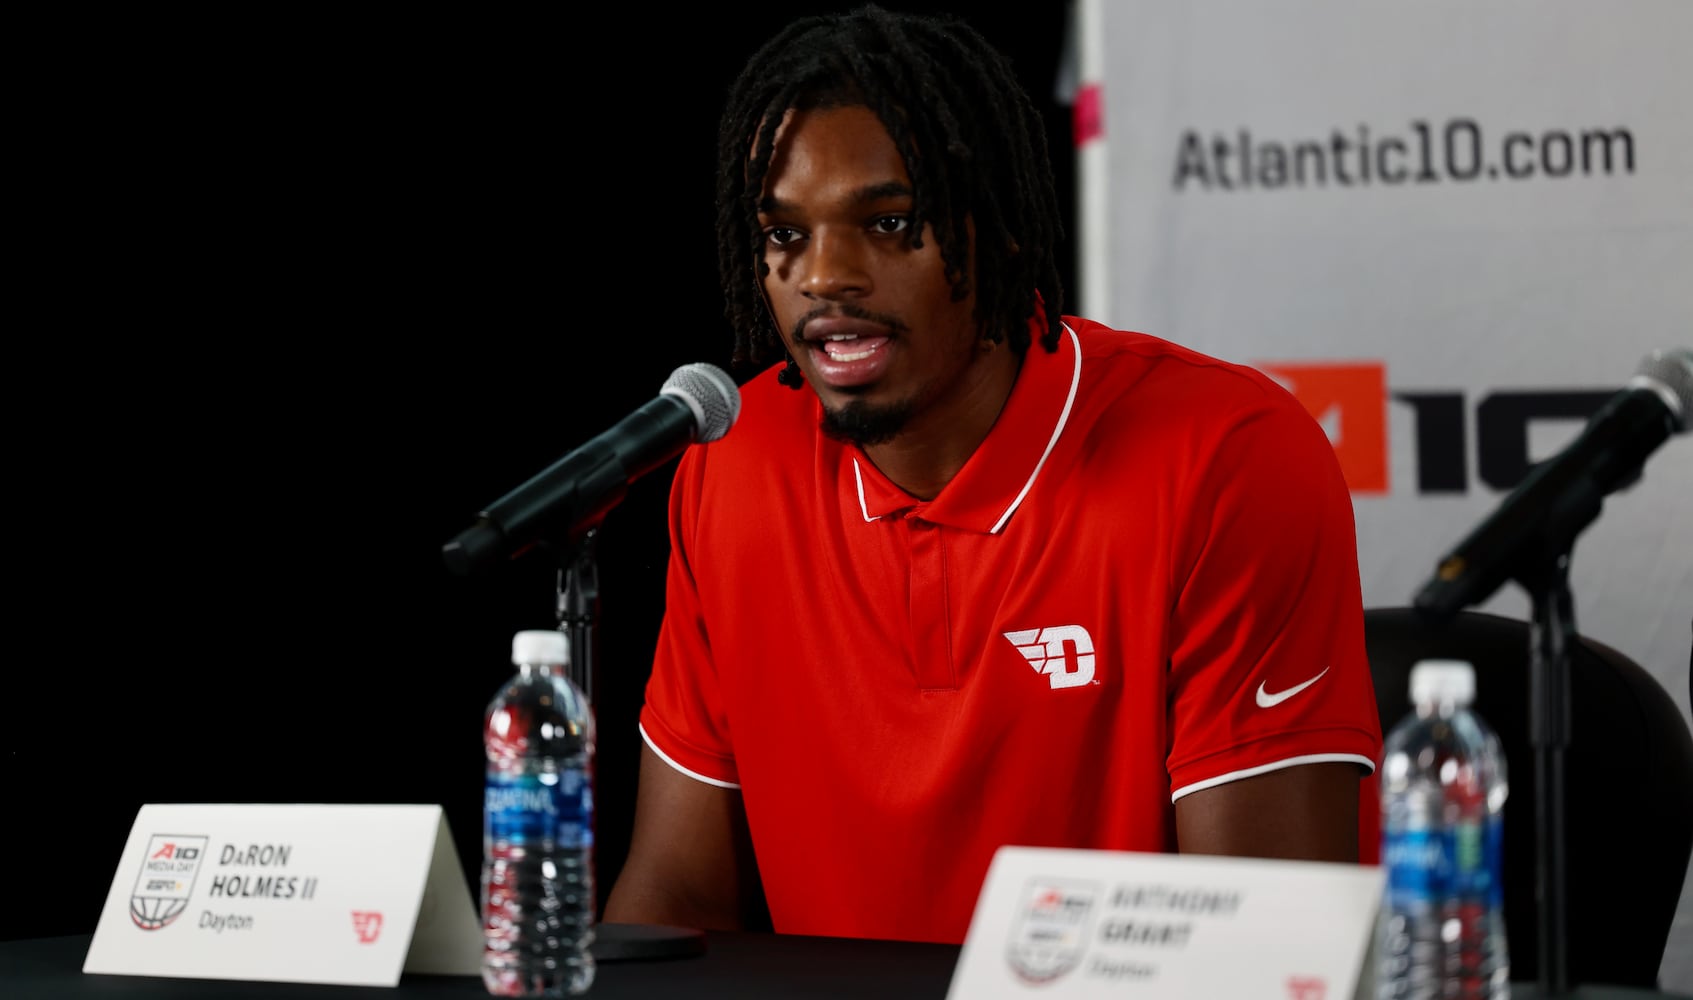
1350, 399
1051, 932
168, 870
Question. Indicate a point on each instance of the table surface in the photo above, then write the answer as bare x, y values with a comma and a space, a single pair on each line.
733, 964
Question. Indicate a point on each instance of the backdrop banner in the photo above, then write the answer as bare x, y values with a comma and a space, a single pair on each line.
1452, 229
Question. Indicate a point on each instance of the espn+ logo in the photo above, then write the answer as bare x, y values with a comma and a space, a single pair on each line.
1351, 400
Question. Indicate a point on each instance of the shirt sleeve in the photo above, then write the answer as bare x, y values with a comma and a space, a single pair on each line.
683, 719
1268, 667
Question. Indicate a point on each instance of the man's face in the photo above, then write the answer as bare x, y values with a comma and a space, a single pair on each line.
869, 319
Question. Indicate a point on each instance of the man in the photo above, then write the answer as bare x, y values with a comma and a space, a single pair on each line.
968, 572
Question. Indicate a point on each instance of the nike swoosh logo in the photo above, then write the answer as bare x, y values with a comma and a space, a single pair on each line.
1268, 700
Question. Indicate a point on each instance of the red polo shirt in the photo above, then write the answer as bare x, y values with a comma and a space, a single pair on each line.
1143, 583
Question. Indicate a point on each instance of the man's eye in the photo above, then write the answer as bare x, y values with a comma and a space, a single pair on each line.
781, 236
890, 223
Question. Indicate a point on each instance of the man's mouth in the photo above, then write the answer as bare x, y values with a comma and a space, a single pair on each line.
847, 352
847, 347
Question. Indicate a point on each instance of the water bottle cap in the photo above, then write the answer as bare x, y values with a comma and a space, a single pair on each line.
539, 646
1443, 680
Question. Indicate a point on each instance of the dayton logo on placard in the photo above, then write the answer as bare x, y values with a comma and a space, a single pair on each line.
367, 925
168, 870
1050, 933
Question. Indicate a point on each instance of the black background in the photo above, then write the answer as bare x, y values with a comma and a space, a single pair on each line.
318, 287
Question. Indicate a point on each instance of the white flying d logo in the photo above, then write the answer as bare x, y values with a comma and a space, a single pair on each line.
1063, 653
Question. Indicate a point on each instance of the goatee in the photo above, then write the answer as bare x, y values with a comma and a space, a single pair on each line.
862, 423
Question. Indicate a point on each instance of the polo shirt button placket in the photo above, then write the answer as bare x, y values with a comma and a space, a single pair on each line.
931, 648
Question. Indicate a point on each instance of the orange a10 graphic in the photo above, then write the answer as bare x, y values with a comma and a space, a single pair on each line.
1351, 399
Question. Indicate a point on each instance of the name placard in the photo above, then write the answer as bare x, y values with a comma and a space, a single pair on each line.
1078, 923
348, 894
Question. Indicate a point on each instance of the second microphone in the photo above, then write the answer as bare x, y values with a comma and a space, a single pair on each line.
698, 403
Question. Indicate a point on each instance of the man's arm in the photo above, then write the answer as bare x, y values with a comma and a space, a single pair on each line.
690, 861
1306, 812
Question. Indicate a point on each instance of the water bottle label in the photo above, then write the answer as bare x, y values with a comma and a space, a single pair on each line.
1459, 861
528, 808
1496, 860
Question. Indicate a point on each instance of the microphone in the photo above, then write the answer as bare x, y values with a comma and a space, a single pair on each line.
699, 402
1561, 495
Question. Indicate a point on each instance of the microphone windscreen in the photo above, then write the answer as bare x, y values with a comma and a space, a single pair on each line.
1669, 373
710, 393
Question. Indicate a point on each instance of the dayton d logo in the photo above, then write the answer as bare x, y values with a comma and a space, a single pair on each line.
167, 878
1051, 930
1063, 653
367, 925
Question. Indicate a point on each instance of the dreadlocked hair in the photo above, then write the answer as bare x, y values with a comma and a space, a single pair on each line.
972, 141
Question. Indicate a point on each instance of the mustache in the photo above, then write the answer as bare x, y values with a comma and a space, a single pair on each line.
846, 311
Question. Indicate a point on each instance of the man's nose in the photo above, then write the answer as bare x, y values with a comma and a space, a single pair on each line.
837, 266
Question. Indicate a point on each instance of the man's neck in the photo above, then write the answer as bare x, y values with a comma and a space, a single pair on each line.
930, 451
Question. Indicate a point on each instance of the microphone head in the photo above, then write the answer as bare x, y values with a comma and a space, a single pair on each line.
1668, 371
710, 393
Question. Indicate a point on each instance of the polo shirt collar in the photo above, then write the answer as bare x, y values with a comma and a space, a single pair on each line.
993, 482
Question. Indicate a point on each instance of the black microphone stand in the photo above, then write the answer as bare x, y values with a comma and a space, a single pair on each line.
1541, 566
1553, 637
579, 607
578, 611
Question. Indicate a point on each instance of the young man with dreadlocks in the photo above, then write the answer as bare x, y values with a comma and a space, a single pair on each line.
967, 571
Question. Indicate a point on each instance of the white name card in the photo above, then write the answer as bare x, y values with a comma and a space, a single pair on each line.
1068, 924
349, 894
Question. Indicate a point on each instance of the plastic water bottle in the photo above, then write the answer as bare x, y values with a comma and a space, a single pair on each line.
1443, 785
538, 898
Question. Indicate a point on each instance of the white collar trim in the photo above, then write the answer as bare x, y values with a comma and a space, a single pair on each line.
1057, 432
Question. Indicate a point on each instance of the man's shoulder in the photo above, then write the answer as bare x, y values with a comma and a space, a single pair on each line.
1136, 369
1156, 404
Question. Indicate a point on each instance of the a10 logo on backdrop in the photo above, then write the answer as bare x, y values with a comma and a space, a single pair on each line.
1351, 399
